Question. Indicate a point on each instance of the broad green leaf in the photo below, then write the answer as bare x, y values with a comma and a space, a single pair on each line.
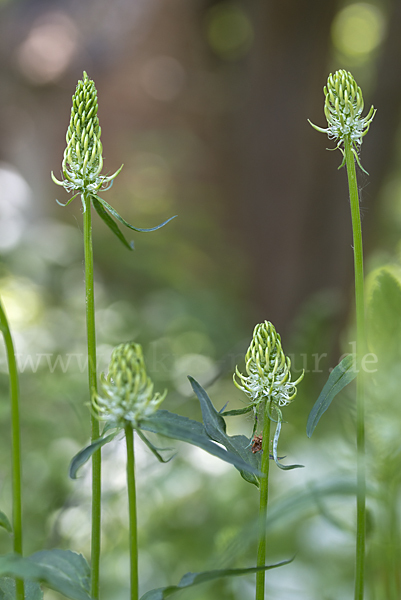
215, 427
115, 214
61, 570
191, 579
153, 449
340, 376
32, 590
5, 523
181, 428
84, 455
109, 222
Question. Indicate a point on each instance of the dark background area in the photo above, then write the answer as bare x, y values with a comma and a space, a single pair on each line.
206, 104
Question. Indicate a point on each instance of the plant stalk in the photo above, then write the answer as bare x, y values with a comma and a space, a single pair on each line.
95, 431
360, 351
15, 445
264, 496
133, 534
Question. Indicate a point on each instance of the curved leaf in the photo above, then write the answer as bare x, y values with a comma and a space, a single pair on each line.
115, 214
84, 455
236, 411
61, 570
32, 590
5, 523
153, 449
215, 427
110, 223
181, 428
275, 444
191, 579
340, 376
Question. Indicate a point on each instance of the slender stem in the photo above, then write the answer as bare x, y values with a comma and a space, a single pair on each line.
264, 496
96, 458
15, 445
360, 350
133, 535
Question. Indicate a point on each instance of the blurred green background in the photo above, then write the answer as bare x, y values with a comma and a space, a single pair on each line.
206, 104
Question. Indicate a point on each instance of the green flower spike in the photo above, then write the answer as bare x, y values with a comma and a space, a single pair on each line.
127, 394
83, 160
268, 380
343, 109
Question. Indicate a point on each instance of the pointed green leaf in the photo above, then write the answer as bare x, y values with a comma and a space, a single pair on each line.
32, 590
181, 428
115, 214
236, 411
215, 427
191, 579
340, 376
153, 448
110, 223
84, 455
5, 523
61, 570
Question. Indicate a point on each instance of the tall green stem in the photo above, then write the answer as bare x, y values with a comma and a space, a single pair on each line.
91, 336
264, 496
15, 444
360, 350
133, 535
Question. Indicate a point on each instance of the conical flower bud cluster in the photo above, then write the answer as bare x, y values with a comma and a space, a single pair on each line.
83, 160
343, 109
268, 369
126, 395
83, 154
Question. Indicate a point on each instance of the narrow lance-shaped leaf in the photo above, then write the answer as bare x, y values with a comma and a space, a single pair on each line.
84, 455
110, 223
191, 579
340, 376
119, 218
215, 427
155, 451
181, 428
5, 523
275, 444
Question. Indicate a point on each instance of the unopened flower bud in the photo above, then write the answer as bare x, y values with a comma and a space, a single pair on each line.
126, 394
343, 109
268, 369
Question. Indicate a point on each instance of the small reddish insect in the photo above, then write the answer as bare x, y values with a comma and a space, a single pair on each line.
257, 443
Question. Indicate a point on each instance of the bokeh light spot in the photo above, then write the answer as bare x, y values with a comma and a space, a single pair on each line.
229, 30
49, 48
358, 29
15, 199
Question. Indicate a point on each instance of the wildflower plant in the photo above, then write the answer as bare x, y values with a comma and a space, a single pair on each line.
81, 167
269, 387
343, 109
